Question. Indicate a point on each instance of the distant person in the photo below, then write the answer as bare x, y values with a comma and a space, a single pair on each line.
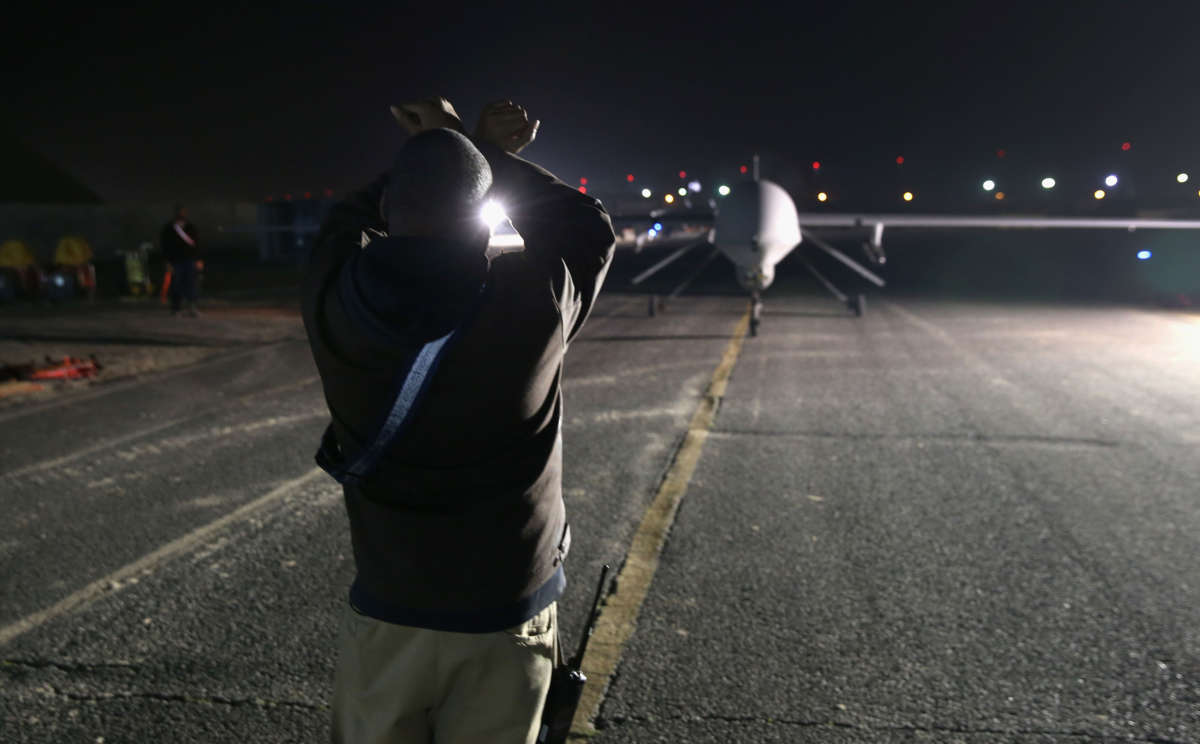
181, 248
459, 532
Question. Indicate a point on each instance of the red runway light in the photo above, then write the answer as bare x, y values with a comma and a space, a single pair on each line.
1001, 152
583, 182
743, 169
629, 178
287, 196
1125, 146
307, 194
899, 160
816, 165
583, 189
683, 174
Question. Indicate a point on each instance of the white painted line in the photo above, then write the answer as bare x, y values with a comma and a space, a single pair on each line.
101, 587
55, 462
115, 441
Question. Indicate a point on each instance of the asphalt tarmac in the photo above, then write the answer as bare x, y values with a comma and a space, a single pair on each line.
946, 521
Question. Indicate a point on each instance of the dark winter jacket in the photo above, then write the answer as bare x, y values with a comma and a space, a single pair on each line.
174, 247
462, 527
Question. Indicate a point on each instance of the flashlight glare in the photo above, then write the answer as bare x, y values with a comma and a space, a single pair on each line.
492, 214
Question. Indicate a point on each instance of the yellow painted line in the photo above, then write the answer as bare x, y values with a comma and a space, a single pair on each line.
113, 581
618, 619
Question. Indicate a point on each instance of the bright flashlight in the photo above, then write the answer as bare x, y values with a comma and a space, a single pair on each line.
492, 214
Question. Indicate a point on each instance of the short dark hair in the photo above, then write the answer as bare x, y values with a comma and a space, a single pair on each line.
438, 177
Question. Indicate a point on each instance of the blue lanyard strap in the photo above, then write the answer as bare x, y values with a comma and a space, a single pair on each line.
411, 386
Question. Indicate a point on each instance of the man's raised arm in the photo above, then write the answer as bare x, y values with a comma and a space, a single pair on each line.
556, 221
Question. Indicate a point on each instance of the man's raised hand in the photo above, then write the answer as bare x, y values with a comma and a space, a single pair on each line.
432, 113
507, 126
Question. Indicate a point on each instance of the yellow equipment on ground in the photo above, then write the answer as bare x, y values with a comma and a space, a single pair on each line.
72, 250
15, 254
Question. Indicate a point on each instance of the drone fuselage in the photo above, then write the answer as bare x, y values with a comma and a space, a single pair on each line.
757, 226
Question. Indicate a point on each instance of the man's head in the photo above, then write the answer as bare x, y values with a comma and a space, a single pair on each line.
437, 188
180, 212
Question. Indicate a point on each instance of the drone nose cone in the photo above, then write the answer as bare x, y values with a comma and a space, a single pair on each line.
755, 278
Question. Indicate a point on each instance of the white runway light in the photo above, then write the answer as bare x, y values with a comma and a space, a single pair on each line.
989, 184
1143, 255
1048, 183
1182, 178
1110, 181
723, 190
646, 193
492, 214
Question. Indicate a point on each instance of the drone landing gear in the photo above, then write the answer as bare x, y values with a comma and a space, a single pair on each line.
756, 308
856, 304
874, 250
657, 303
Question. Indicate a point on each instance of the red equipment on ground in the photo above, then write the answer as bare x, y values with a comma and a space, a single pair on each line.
68, 368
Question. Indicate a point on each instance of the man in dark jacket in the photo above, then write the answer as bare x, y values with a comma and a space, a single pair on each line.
460, 534
180, 245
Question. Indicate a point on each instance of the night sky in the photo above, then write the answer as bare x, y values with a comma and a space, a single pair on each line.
195, 101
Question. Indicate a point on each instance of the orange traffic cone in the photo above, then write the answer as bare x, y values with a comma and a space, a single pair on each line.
162, 297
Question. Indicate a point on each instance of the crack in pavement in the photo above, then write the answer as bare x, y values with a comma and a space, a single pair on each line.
68, 666
604, 723
51, 689
175, 697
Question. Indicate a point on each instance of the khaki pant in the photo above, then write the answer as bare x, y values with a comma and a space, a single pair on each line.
401, 685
